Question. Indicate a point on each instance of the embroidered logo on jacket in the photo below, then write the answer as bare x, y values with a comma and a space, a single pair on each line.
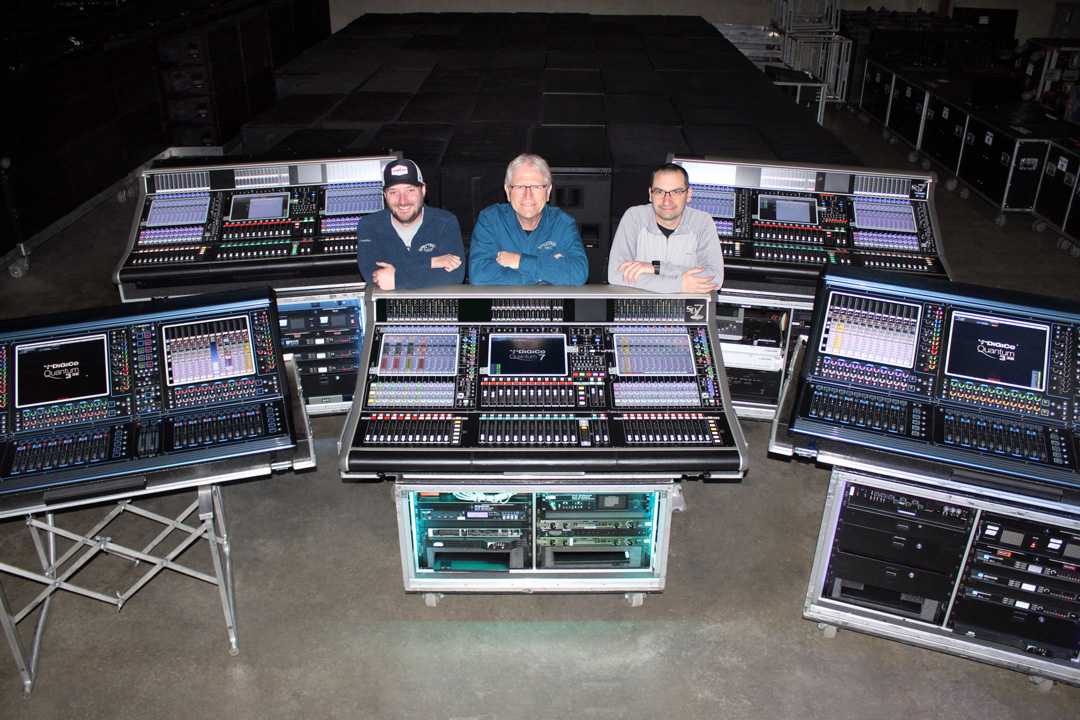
548, 245
426, 247
363, 240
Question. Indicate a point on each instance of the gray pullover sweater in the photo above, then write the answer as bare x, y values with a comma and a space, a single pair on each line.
693, 244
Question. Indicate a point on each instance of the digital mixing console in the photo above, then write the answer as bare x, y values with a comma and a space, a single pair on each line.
954, 374
788, 221
131, 390
494, 380
244, 224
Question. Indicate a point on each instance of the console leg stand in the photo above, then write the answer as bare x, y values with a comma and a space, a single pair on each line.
224, 577
678, 501
26, 671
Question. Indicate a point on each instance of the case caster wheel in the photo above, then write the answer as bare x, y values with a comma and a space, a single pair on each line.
432, 599
964, 193
886, 135
1000, 220
678, 502
951, 184
1041, 684
1075, 250
19, 268
635, 599
1038, 226
913, 157
827, 631
864, 118
1063, 243
925, 164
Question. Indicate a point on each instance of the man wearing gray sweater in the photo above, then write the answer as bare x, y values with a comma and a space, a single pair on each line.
666, 246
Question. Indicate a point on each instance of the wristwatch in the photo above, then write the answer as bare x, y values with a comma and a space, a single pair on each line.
656, 267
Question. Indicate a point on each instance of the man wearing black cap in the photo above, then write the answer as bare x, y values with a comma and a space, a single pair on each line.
406, 245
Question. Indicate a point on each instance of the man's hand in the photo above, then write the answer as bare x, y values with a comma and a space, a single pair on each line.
447, 262
694, 282
384, 276
633, 269
508, 259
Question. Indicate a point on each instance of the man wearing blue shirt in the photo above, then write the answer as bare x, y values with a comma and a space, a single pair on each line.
526, 242
406, 245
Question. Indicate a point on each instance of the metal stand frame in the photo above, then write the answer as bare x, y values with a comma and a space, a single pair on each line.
57, 571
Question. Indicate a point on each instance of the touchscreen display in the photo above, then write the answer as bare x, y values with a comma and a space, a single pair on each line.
510, 355
61, 370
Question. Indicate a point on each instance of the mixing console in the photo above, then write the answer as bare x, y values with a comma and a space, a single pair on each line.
531, 381
955, 374
244, 224
779, 221
128, 391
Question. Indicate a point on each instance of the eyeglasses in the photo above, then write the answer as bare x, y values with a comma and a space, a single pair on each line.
658, 193
528, 188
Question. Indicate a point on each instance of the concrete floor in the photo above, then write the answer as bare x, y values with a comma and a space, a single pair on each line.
326, 630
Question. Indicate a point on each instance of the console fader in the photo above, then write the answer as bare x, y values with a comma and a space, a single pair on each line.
125, 391
243, 224
788, 221
485, 380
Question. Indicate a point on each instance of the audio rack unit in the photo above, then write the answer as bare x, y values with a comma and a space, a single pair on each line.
983, 382
323, 330
115, 393
757, 325
486, 381
993, 577
785, 221
574, 536
219, 226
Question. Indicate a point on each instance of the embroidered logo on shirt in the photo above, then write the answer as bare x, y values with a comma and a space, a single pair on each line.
426, 247
364, 240
557, 256
549, 245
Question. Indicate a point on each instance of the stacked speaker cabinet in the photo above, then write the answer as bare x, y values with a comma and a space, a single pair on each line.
877, 91
908, 109
1003, 156
944, 129
1057, 189
216, 76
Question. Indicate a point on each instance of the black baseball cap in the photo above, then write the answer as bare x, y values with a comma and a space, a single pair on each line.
402, 172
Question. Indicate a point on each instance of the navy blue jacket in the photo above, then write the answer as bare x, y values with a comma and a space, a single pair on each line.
439, 234
551, 254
